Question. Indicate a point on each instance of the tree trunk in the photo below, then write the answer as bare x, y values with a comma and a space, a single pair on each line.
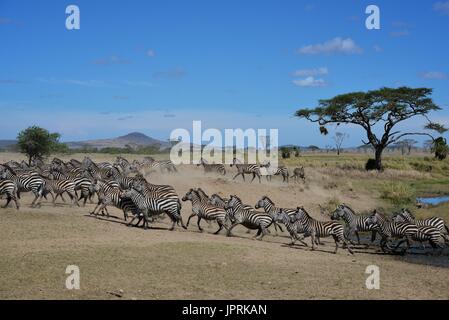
378, 157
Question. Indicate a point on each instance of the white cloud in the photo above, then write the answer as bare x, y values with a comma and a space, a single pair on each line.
400, 33
336, 45
311, 72
433, 75
310, 82
442, 7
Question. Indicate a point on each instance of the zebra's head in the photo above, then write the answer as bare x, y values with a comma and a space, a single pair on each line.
398, 218
407, 214
281, 217
233, 201
127, 193
374, 218
216, 200
262, 202
189, 195
338, 213
299, 214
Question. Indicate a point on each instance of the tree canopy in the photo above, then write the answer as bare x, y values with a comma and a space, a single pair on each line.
37, 143
384, 108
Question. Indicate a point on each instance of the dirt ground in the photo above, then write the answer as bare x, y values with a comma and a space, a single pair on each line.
37, 244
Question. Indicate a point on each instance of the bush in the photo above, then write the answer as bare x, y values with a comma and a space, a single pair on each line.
370, 165
398, 193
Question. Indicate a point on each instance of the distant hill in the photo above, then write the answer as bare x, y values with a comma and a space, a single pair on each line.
133, 140
8, 144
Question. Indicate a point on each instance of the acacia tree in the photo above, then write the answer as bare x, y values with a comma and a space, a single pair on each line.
37, 143
338, 138
375, 110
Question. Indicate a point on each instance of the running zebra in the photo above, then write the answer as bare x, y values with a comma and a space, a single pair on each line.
166, 165
433, 221
268, 171
354, 223
220, 168
251, 219
424, 233
154, 205
321, 229
298, 173
294, 228
24, 182
9, 188
389, 229
58, 187
204, 210
253, 169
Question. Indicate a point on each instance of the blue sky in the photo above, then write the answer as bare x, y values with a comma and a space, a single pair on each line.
153, 66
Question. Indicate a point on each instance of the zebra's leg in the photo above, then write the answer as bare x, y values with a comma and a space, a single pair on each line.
373, 235
238, 173
358, 237
198, 223
62, 198
134, 218
220, 226
190, 217
228, 234
263, 232
8, 200
312, 236
336, 243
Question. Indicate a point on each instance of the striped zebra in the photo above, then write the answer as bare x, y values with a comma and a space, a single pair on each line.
424, 233
112, 196
249, 218
166, 165
294, 228
433, 221
57, 187
9, 188
389, 229
154, 205
220, 168
268, 171
354, 223
24, 182
321, 229
298, 173
253, 169
204, 210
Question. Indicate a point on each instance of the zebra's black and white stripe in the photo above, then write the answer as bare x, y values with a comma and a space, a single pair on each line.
243, 169
204, 210
321, 229
354, 223
435, 222
298, 173
9, 188
249, 218
212, 167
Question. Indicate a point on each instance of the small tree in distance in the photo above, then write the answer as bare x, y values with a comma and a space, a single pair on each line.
376, 110
38, 143
338, 138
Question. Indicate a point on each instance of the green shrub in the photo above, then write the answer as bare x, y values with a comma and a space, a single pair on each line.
398, 193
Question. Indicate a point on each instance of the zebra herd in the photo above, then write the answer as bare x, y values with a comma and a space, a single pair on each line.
123, 185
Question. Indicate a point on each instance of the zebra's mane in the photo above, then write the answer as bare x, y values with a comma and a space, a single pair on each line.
349, 208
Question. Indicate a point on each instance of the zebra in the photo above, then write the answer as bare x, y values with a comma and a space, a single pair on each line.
108, 195
253, 169
320, 228
249, 218
58, 187
269, 207
424, 233
298, 173
294, 228
9, 188
24, 182
389, 229
433, 221
204, 210
162, 164
354, 223
269, 171
220, 168
154, 205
